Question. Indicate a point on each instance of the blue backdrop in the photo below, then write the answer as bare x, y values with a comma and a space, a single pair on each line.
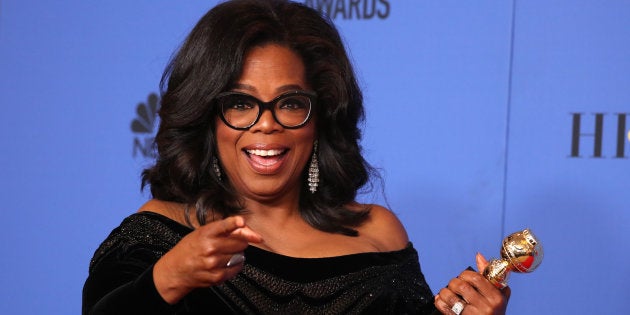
485, 117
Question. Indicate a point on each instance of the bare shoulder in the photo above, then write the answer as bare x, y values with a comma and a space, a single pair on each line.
384, 230
174, 211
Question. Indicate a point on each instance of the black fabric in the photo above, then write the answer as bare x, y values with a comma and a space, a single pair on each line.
120, 279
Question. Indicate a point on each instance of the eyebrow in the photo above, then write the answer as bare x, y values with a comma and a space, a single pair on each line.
283, 88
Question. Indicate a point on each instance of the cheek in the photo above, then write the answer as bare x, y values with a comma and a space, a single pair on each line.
308, 137
226, 138
310, 130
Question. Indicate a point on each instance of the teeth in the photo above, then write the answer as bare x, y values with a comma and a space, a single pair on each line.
265, 152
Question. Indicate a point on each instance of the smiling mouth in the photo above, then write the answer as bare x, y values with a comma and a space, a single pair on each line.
266, 157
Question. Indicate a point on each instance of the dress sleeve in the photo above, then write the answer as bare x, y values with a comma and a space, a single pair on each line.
122, 283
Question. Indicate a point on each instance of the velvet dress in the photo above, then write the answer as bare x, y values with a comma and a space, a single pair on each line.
120, 279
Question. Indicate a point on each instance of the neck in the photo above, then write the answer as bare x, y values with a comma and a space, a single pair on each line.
278, 211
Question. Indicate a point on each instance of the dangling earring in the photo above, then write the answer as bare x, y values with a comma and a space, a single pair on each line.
216, 168
313, 171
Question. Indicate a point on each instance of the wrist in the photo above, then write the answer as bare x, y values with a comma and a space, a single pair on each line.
171, 290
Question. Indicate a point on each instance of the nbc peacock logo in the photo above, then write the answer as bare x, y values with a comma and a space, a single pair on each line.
144, 126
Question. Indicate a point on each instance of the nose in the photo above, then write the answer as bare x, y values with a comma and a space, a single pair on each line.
266, 123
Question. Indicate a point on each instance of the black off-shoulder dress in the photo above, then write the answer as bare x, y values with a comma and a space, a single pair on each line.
120, 279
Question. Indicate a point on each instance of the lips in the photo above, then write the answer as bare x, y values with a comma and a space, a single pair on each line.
266, 161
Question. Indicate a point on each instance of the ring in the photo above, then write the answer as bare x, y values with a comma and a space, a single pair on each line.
235, 260
457, 308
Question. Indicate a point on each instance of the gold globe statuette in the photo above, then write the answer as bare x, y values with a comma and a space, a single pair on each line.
520, 252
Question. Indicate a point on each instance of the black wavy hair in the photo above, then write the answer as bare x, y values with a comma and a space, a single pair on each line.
209, 62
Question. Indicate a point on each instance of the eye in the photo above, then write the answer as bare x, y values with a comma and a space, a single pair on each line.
238, 103
294, 103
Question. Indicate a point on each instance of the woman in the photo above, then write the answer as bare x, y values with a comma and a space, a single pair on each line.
254, 185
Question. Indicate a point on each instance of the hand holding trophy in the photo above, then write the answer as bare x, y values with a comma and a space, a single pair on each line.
520, 252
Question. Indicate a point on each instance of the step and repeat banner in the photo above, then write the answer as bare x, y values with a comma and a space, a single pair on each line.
483, 117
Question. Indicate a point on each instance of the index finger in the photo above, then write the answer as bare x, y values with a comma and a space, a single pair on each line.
248, 234
479, 282
226, 226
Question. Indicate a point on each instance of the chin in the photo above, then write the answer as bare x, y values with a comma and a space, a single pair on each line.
269, 191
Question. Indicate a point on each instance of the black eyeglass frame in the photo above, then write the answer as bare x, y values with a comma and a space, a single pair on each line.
262, 106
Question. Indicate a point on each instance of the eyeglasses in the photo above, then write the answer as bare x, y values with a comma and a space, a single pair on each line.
241, 111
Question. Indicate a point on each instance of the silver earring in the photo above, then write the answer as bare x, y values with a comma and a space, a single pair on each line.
313, 171
216, 168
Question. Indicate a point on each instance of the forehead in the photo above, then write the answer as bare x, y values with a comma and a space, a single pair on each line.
271, 69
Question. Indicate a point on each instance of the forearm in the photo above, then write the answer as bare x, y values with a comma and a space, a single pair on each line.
138, 296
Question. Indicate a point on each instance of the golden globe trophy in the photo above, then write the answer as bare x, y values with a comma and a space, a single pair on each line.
521, 252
